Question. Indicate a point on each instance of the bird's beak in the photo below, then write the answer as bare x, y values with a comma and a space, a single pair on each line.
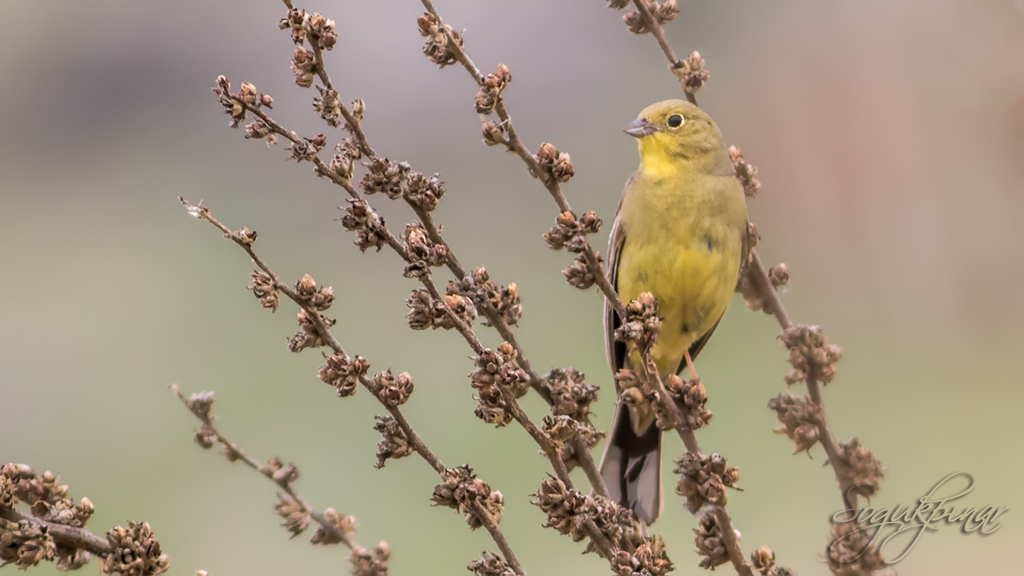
639, 128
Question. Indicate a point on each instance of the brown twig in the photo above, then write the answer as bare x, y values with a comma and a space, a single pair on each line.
63, 535
496, 319
238, 454
674, 64
353, 125
828, 441
325, 333
584, 457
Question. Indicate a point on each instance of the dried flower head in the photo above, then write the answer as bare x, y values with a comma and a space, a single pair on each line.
136, 552
282, 474
386, 177
666, 11
493, 84
570, 394
343, 373
328, 106
370, 563
484, 101
708, 538
562, 507
778, 275
745, 173
746, 285
321, 31
703, 479
231, 103
463, 491
394, 443
691, 397
295, 21
200, 404
497, 371
205, 437
25, 544
490, 564
345, 156
422, 252
560, 429
484, 292
565, 229
358, 109
642, 321
800, 419
862, 472
303, 65
423, 192
306, 149
579, 274
369, 226
850, 550
443, 41
258, 130
456, 305
309, 336
661, 13
425, 312
493, 132
810, 354
762, 560
692, 73
341, 528
314, 297
295, 515
392, 391
649, 557
553, 164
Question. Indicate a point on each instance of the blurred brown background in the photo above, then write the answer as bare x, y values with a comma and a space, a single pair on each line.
890, 153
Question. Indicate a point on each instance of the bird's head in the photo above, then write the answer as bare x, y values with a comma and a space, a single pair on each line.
675, 133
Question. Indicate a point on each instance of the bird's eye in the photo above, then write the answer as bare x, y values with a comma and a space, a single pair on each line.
675, 121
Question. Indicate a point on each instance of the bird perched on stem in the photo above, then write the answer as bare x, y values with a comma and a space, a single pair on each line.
680, 233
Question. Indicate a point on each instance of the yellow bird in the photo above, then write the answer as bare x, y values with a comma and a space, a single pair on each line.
680, 233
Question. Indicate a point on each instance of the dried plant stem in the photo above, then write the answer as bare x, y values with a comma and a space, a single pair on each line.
499, 539
675, 65
825, 436
354, 127
63, 535
285, 487
497, 320
324, 332
582, 452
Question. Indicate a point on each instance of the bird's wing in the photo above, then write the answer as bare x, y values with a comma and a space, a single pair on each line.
698, 344
615, 351
631, 463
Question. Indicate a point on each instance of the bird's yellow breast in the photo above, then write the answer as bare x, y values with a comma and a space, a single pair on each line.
682, 244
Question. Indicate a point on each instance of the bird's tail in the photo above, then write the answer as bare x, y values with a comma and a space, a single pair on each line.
631, 466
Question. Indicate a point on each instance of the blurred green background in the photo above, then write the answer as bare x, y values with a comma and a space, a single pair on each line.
890, 152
